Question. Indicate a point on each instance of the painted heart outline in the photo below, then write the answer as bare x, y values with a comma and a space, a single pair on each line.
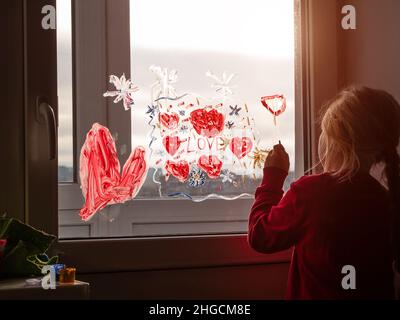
241, 146
172, 144
179, 170
169, 120
276, 104
102, 183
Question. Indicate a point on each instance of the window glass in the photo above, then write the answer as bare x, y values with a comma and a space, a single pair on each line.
253, 40
197, 46
65, 114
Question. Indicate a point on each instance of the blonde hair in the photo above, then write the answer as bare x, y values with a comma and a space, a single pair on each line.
360, 125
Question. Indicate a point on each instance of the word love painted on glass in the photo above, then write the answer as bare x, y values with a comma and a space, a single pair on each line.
209, 126
240, 146
173, 144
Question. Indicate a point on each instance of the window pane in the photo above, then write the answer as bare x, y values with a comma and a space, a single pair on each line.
253, 40
65, 114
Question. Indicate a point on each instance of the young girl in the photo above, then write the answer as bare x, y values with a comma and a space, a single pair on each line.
342, 217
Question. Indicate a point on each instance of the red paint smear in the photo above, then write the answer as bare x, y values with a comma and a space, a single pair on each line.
211, 165
101, 181
241, 147
179, 170
207, 123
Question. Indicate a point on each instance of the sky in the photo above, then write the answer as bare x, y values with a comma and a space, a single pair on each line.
253, 38
263, 28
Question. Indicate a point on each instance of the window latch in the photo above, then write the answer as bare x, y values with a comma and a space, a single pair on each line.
46, 115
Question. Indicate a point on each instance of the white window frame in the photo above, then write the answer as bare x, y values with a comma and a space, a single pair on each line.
149, 253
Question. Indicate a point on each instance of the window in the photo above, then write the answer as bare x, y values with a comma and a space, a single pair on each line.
254, 40
65, 114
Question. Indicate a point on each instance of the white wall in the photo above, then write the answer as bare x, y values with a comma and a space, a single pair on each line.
371, 54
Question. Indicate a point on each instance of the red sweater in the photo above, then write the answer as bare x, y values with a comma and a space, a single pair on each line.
330, 224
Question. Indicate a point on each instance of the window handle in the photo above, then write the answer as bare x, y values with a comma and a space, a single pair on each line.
47, 116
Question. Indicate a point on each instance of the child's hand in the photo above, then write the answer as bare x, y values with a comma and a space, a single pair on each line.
278, 158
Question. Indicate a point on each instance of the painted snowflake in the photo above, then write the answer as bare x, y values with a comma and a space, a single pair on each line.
197, 178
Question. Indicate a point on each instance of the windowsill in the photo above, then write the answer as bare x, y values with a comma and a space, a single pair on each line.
122, 255
149, 218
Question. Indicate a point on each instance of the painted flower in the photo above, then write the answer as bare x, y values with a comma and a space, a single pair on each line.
222, 84
227, 176
230, 124
184, 129
160, 153
197, 178
235, 111
151, 110
124, 91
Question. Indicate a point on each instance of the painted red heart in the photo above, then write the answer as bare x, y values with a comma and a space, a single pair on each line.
179, 170
241, 147
169, 120
172, 144
102, 183
207, 123
275, 104
211, 165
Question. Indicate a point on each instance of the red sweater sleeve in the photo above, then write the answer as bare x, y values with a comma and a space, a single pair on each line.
275, 223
